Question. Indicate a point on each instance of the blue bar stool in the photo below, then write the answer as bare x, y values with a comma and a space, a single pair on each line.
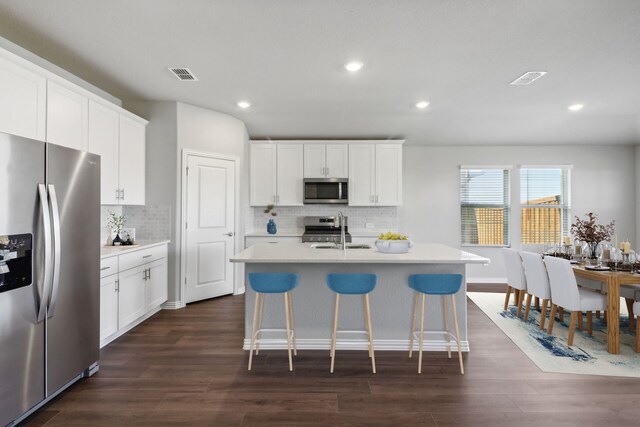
352, 284
435, 284
273, 283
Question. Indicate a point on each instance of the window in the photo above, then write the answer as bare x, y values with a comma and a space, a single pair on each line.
545, 204
484, 205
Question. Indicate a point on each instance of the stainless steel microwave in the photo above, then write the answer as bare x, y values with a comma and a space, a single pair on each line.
326, 190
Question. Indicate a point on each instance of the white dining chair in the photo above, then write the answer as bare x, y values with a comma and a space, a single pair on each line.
631, 294
636, 309
516, 280
535, 273
566, 293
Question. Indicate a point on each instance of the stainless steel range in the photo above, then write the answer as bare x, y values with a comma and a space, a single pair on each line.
324, 229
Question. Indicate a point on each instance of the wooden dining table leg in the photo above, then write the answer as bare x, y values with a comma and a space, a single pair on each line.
613, 316
630, 302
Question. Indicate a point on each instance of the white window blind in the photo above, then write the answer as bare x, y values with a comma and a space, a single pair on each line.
545, 204
484, 206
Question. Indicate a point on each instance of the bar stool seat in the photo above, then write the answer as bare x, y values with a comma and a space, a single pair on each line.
352, 284
435, 284
272, 283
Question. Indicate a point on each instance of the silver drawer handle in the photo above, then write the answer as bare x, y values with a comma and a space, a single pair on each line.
147, 256
104, 268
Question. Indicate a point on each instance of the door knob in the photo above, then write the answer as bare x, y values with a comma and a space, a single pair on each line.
230, 234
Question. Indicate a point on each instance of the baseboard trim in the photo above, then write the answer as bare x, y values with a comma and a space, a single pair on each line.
172, 305
129, 327
356, 344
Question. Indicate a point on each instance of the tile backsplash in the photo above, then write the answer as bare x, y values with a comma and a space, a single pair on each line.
151, 222
291, 217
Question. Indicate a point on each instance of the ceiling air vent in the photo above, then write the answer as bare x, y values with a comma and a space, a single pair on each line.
528, 78
183, 74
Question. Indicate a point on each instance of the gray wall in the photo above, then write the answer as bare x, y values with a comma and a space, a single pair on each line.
603, 181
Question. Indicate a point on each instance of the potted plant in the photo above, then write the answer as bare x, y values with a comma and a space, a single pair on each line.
115, 223
593, 234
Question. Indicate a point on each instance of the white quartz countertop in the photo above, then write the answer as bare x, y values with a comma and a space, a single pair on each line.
109, 251
299, 233
420, 253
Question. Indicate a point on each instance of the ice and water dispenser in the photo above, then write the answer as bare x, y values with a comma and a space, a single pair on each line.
16, 257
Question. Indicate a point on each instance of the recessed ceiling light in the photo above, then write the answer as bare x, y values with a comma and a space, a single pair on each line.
353, 66
575, 107
244, 104
422, 104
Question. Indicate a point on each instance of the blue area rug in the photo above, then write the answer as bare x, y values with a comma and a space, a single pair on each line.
588, 355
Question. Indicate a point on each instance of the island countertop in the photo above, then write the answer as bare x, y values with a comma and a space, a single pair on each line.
420, 253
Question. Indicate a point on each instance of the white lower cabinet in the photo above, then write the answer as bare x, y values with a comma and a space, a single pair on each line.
134, 292
252, 240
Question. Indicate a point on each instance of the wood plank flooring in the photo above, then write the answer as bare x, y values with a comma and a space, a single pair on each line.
186, 367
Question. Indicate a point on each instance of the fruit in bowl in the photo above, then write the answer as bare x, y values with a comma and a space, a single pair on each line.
393, 243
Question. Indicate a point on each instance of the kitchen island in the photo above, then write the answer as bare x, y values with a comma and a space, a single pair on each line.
391, 301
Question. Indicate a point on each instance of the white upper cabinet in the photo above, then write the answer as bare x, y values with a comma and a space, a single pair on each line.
23, 101
104, 124
120, 142
262, 174
67, 117
131, 161
375, 174
276, 174
326, 160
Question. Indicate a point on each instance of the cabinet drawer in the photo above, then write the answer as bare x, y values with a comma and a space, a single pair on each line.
108, 266
143, 256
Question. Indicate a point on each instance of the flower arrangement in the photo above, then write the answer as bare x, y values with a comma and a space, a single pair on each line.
115, 222
588, 231
270, 209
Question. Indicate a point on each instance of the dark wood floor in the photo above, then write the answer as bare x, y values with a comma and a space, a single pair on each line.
186, 367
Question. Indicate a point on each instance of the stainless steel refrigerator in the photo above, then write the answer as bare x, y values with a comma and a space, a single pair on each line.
49, 271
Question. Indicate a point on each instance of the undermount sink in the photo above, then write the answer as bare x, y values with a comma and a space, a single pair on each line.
333, 246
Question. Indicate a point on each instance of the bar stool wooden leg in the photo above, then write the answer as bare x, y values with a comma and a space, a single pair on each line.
527, 307
413, 323
543, 313
259, 337
590, 322
370, 333
580, 324
421, 336
520, 300
597, 314
335, 330
364, 310
455, 320
506, 297
445, 307
572, 327
286, 313
516, 296
293, 325
552, 317
253, 329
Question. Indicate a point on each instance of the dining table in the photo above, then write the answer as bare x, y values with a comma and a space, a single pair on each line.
612, 281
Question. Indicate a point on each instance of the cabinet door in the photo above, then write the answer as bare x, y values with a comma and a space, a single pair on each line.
337, 163
156, 283
131, 165
314, 160
132, 295
388, 175
108, 306
103, 140
290, 175
67, 117
262, 174
23, 101
362, 174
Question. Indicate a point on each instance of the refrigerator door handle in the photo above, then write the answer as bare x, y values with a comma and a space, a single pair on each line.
56, 249
46, 228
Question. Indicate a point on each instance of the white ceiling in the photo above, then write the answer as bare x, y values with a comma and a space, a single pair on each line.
286, 57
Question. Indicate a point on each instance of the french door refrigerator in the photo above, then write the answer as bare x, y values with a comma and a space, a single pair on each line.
49, 271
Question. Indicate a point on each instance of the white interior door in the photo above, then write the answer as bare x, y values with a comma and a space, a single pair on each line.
210, 227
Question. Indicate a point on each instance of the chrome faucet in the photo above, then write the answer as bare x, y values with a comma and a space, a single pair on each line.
343, 239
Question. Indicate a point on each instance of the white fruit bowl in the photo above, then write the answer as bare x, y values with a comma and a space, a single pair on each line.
394, 246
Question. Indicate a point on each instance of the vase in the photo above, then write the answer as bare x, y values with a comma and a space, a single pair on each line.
271, 227
117, 241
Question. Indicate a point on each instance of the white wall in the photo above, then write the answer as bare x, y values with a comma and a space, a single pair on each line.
603, 181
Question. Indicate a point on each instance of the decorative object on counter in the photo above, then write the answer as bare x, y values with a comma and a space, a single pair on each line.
271, 227
115, 224
393, 243
593, 234
270, 209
